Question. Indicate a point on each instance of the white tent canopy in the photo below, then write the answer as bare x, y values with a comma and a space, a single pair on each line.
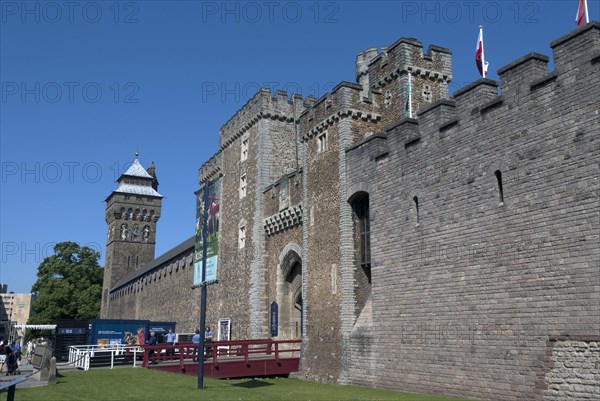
35, 326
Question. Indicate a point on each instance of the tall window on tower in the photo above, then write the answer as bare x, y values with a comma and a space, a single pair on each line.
243, 186
362, 250
244, 151
361, 208
322, 142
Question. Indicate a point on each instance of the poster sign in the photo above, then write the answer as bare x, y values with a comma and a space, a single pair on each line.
224, 329
212, 232
224, 333
274, 321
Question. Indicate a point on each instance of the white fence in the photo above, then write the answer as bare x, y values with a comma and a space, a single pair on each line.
86, 356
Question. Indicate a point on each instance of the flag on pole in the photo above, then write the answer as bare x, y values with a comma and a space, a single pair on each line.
582, 11
482, 65
408, 104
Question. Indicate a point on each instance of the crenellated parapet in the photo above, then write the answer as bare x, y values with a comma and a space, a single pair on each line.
571, 49
264, 105
211, 168
344, 101
403, 77
487, 106
406, 55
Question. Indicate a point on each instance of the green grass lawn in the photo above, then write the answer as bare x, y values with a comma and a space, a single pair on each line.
148, 385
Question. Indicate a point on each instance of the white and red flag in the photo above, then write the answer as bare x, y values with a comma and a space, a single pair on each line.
582, 13
482, 65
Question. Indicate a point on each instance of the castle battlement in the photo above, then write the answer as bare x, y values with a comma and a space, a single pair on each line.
486, 105
406, 55
211, 168
570, 49
344, 100
262, 105
531, 67
521, 82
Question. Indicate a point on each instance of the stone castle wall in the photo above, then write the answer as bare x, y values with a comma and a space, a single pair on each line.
467, 290
161, 293
573, 368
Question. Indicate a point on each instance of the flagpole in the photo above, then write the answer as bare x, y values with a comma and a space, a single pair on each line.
409, 95
587, 17
482, 51
203, 287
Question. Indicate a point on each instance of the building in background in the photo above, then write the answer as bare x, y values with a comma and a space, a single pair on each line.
14, 310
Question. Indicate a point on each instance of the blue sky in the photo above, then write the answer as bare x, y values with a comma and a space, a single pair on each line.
86, 83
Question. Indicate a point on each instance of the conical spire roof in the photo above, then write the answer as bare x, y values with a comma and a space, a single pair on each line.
136, 170
137, 181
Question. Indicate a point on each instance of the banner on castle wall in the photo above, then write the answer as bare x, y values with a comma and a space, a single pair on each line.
212, 232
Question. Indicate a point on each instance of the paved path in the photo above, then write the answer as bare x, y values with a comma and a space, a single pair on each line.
27, 370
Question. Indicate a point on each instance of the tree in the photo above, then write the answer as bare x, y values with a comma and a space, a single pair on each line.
69, 285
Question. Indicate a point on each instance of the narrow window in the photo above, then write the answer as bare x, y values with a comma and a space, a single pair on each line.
242, 237
322, 142
427, 94
362, 248
498, 175
244, 154
243, 186
128, 261
333, 279
416, 200
361, 208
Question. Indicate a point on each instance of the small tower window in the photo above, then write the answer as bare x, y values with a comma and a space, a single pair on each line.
244, 152
322, 142
427, 94
243, 186
416, 200
388, 99
498, 175
242, 237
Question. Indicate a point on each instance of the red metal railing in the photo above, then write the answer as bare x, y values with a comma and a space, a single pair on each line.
242, 356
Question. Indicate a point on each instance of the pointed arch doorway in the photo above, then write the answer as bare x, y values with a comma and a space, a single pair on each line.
289, 293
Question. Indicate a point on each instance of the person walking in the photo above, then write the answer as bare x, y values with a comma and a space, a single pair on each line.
196, 341
29, 350
17, 351
11, 362
152, 342
2, 355
171, 341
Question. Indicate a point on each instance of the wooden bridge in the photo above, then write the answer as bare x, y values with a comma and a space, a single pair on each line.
228, 359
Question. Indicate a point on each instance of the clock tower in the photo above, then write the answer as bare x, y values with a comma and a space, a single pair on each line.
132, 211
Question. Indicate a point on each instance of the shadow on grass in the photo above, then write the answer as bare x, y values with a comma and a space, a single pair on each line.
253, 383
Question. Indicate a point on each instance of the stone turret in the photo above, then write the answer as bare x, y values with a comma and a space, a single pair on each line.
152, 171
362, 68
132, 211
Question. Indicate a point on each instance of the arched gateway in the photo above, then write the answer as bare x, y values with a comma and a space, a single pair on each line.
289, 292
